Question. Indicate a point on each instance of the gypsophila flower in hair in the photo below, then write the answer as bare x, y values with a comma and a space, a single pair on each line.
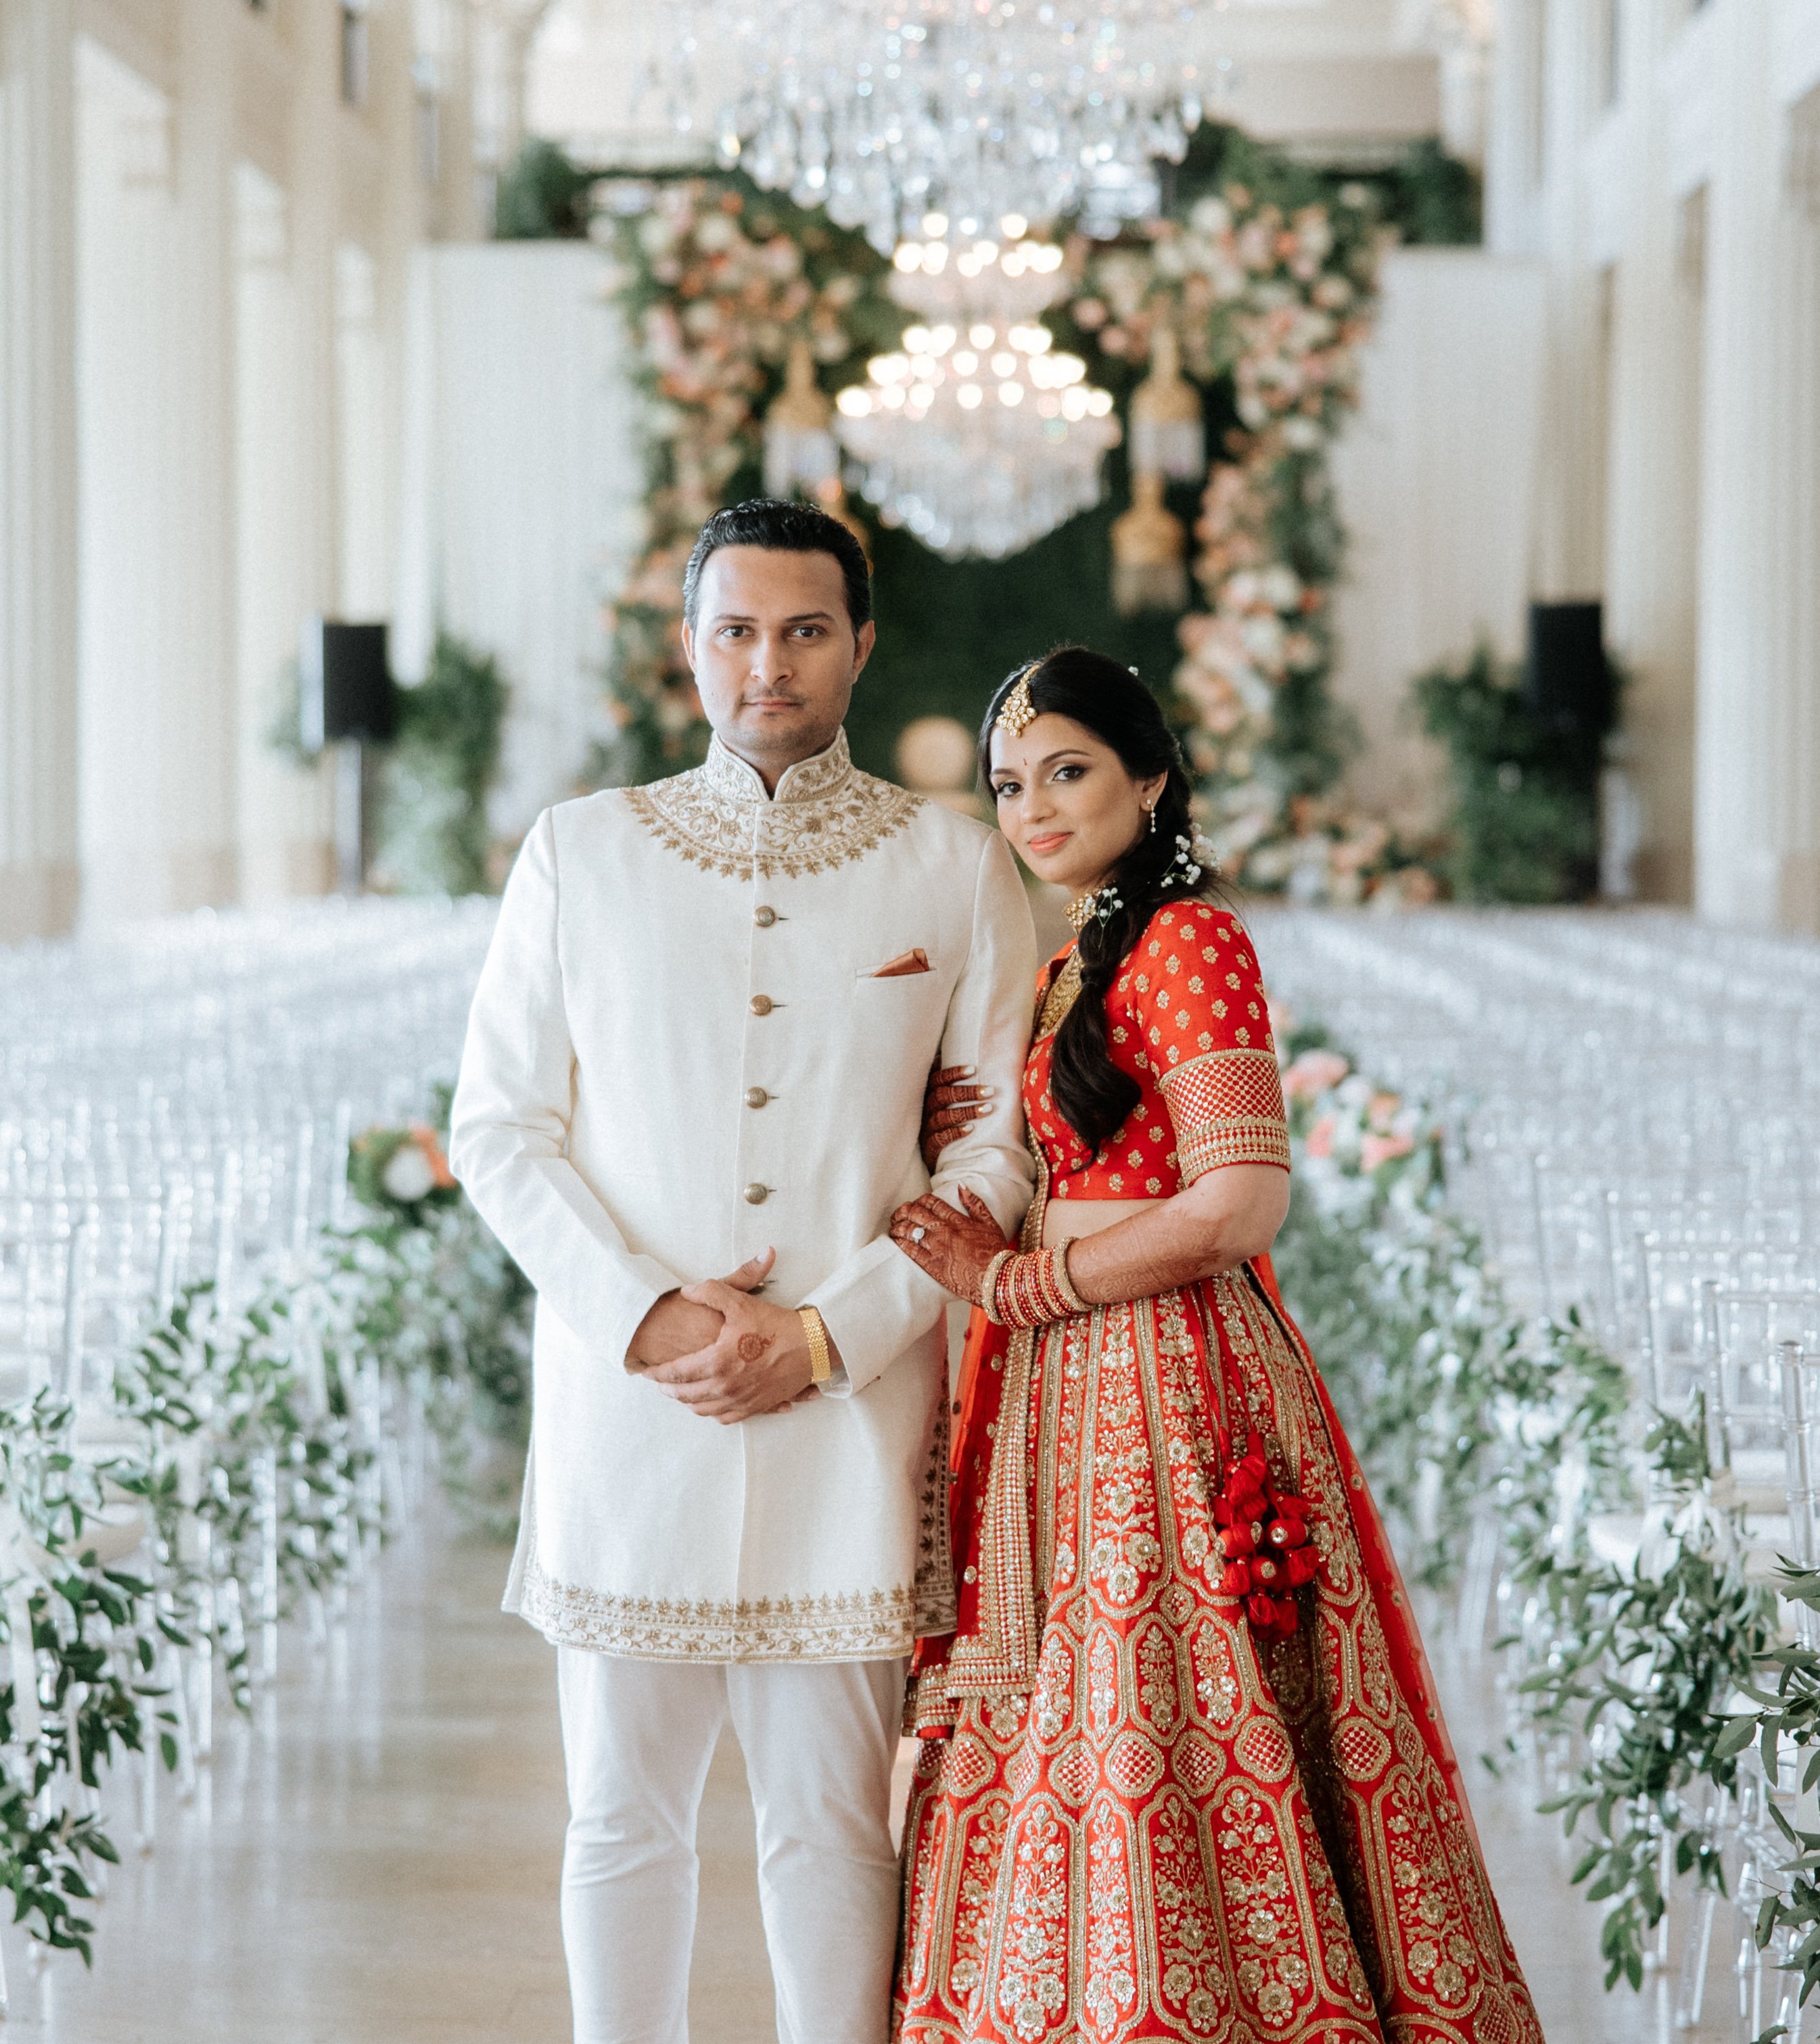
1184, 857
1102, 905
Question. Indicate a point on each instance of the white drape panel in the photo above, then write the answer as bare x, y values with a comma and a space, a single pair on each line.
522, 489
1436, 478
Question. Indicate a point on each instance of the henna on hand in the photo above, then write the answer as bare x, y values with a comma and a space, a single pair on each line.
950, 1110
954, 1248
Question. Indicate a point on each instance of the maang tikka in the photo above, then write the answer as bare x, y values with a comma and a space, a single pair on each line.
1017, 714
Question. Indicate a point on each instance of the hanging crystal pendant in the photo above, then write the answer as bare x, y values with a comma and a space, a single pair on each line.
1168, 434
1149, 550
800, 452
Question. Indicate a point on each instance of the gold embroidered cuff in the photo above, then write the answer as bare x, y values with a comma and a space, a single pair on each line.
1227, 1109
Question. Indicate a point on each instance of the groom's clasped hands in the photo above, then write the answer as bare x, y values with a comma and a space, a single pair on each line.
728, 1355
723, 1351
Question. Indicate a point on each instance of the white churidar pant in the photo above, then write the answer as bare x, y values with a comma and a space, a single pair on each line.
819, 1738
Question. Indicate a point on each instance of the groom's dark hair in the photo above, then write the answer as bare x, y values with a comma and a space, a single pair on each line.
787, 528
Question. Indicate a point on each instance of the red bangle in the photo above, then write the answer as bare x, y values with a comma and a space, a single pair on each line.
1031, 1290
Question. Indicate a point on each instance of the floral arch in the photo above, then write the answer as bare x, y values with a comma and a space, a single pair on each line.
1265, 274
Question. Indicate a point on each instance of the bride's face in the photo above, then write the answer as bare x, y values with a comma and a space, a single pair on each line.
1067, 802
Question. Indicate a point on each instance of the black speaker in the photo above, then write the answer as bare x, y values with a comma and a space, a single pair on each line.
1567, 685
347, 691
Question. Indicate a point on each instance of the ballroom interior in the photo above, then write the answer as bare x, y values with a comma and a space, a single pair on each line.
1457, 484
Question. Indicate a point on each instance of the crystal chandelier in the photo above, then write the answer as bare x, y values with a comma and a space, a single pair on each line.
979, 436
884, 110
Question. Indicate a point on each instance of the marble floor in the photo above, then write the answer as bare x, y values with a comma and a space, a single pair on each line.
374, 1860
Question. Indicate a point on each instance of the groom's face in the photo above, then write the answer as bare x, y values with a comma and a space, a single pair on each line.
774, 653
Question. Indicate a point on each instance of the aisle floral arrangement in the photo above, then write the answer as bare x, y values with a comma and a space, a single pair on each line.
1268, 285
1494, 1445
253, 1462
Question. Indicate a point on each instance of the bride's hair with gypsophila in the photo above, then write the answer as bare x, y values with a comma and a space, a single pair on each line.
1109, 700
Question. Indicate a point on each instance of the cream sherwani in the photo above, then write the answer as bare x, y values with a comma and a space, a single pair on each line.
680, 1053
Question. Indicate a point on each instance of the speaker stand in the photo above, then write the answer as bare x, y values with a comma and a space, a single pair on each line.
350, 817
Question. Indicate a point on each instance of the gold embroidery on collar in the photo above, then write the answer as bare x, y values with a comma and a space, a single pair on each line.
826, 813
1064, 991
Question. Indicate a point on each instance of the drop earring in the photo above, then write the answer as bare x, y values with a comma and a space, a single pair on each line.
1152, 814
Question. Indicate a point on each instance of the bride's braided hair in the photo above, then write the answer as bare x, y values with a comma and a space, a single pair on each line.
1109, 700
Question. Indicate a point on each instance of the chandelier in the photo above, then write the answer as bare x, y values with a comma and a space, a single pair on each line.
885, 110
979, 435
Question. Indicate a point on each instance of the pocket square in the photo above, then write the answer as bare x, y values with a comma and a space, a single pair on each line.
906, 962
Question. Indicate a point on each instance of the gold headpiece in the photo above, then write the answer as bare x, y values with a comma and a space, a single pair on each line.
1017, 714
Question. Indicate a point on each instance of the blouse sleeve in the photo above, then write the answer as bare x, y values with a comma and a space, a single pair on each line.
1198, 1001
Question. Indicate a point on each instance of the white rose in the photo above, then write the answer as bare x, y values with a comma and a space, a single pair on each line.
408, 1175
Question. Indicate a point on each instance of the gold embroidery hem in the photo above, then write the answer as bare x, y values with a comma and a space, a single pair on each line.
857, 1625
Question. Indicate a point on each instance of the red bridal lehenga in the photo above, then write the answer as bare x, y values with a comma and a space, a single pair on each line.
1149, 1802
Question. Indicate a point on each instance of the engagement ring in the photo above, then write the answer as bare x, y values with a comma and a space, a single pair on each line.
917, 1233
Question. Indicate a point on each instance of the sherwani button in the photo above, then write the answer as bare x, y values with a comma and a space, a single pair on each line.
755, 1096
761, 1003
764, 917
756, 1196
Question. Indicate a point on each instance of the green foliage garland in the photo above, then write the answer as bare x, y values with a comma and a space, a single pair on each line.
1524, 826
434, 837
543, 196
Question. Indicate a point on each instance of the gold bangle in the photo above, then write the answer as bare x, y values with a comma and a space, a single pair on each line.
988, 1284
1065, 1283
821, 1363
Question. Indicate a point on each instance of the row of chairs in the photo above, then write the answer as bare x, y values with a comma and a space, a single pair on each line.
1632, 1114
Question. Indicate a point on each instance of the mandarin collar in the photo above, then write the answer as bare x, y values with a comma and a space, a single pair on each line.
811, 780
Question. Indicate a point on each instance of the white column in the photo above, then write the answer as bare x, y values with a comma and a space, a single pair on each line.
1570, 560
1516, 104
1794, 758
283, 824
38, 602
1652, 518
1757, 853
159, 697
198, 741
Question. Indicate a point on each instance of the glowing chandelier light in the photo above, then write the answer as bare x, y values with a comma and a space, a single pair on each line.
979, 436
884, 110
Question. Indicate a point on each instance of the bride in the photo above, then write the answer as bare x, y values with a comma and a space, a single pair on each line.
1182, 1773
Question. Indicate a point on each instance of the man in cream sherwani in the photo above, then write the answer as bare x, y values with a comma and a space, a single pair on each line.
700, 1044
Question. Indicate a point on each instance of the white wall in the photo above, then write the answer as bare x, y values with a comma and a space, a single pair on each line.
1436, 479
523, 486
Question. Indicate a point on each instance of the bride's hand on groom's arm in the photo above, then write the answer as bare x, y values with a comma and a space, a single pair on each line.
954, 1248
679, 1326
950, 1107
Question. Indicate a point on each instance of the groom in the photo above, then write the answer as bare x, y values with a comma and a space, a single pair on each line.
698, 1047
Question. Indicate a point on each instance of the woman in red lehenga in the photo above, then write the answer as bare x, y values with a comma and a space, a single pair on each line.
1182, 1774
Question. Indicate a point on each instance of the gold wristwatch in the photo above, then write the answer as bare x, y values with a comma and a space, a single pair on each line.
821, 1363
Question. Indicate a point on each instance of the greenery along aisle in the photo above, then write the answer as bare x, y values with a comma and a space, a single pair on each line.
258, 1448
1264, 273
1495, 1442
